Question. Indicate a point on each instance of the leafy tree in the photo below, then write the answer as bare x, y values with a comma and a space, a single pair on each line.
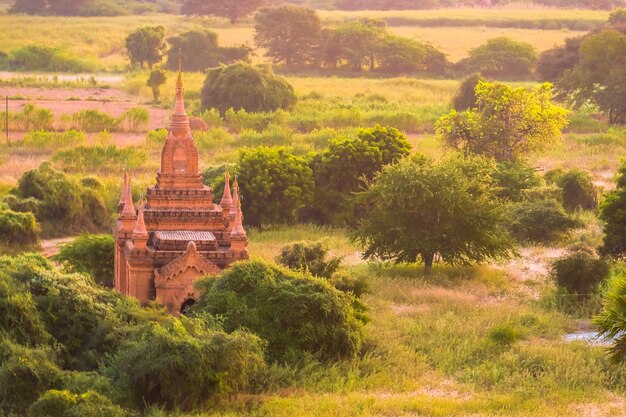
275, 185
514, 178
555, 62
201, 51
613, 214
146, 45
508, 123
288, 33
323, 324
617, 19
398, 55
232, 10
345, 167
243, 86
356, 44
502, 58
465, 97
577, 188
308, 257
155, 81
427, 210
91, 254
599, 77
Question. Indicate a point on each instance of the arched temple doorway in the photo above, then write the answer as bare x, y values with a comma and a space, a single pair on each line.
189, 302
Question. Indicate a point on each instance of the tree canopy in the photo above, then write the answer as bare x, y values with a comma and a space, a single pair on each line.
423, 210
146, 45
507, 124
502, 58
232, 10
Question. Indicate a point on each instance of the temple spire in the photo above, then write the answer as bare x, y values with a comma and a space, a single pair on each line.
227, 199
129, 207
120, 204
140, 230
238, 231
179, 109
235, 196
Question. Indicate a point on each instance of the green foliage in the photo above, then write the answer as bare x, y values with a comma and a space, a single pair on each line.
41, 140
295, 313
303, 26
42, 58
232, 10
505, 334
613, 214
243, 86
508, 123
92, 120
60, 203
100, 158
599, 77
398, 55
91, 254
156, 79
201, 51
182, 365
134, 119
56, 403
18, 228
578, 191
465, 97
25, 373
502, 58
580, 273
540, 221
346, 166
610, 322
146, 45
515, 179
33, 118
307, 256
274, 185
419, 208
555, 62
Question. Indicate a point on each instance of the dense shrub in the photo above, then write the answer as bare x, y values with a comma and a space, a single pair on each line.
613, 213
201, 51
42, 58
502, 58
465, 97
275, 185
310, 257
579, 273
515, 179
18, 228
294, 312
182, 365
34, 118
540, 221
92, 120
25, 373
62, 403
577, 188
92, 254
100, 158
40, 139
134, 119
243, 86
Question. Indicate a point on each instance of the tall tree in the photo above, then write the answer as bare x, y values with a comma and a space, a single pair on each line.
146, 45
230, 9
613, 214
599, 77
422, 210
502, 58
508, 123
554, 62
290, 34
356, 44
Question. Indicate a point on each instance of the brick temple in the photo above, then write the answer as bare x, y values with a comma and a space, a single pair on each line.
178, 233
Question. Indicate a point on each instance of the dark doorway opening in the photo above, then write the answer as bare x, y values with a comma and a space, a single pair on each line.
184, 309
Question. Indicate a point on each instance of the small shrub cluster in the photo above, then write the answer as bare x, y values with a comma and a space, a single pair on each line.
42, 58
579, 273
42, 140
309, 257
91, 254
577, 189
30, 118
100, 158
540, 221
18, 228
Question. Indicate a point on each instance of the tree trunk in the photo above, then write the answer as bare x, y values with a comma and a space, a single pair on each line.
428, 263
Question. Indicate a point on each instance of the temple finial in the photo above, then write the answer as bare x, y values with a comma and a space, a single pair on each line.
179, 107
140, 226
122, 200
129, 207
227, 199
179, 82
238, 231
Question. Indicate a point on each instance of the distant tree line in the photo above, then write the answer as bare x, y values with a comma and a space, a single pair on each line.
94, 7
435, 4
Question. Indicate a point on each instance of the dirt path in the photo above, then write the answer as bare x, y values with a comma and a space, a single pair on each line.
51, 247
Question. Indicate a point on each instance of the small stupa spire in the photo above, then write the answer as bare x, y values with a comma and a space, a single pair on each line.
238, 231
129, 207
227, 199
235, 197
179, 109
140, 230
120, 204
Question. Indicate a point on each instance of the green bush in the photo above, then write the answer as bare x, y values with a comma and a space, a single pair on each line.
310, 257
465, 97
515, 178
243, 86
18, 228
577, 188
183, 365
34, 118
156, 138
580, 273
25, 373
91, 254
133, 120
91, 120
40, 139
540, 221
41, 58
293, 311
56, 403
